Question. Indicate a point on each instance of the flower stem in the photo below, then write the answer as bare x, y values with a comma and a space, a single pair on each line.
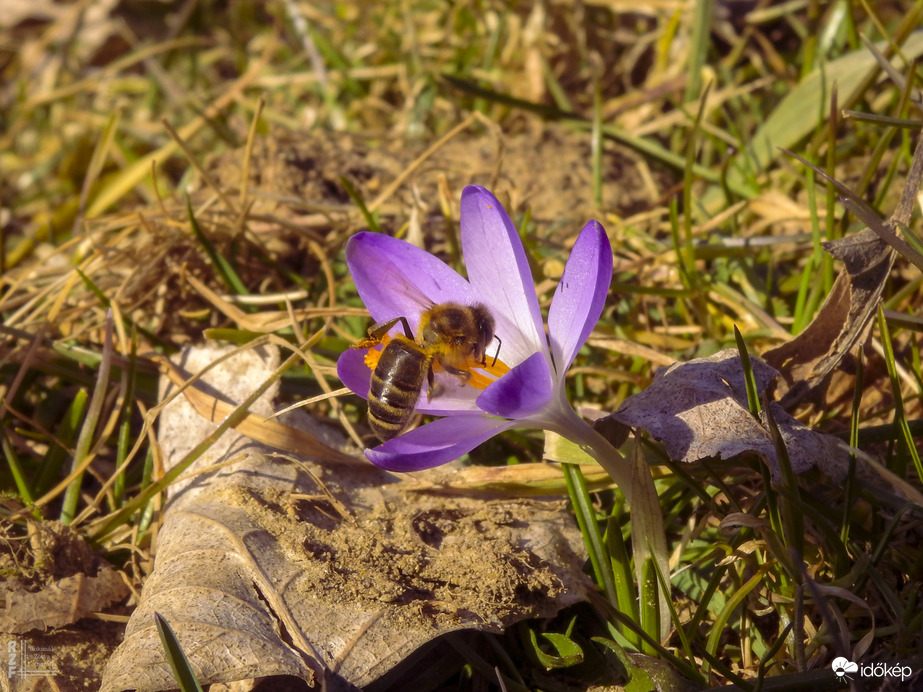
634, 479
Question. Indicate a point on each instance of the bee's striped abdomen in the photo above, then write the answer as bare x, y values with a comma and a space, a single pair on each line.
395, 386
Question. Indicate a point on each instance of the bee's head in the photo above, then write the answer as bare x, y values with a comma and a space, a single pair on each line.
484, 326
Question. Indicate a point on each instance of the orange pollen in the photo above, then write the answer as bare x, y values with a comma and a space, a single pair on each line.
481, 375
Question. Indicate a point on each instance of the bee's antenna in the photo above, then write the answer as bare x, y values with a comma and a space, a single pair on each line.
497, 354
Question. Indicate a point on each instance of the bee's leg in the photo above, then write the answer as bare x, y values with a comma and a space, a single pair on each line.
377, 332
434, 388
462, 375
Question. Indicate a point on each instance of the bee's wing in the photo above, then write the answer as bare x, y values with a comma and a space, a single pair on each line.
395, 295
401, 288
399, 280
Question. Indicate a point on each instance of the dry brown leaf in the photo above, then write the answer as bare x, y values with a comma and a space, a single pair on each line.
257, 581
61, 602
699, 410
843, 321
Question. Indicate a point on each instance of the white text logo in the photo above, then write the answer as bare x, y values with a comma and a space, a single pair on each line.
845, 670
25, 660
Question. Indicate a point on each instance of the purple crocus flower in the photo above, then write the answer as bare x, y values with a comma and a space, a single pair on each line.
394, 279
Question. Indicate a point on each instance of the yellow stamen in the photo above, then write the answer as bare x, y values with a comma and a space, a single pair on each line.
483, 375
373, 354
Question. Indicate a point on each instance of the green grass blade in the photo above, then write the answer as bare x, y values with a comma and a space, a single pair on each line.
176, 657
849, 488
370, 219
223, 269
589, 529
620, 565
790, 505
900, 417
88, 429
701, 40
735, 600
50, 470
753, 397
20, 476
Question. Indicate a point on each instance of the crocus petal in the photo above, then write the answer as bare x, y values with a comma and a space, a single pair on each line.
581, 294
436, 443
353, 372
397, 279
499, 273
524, 390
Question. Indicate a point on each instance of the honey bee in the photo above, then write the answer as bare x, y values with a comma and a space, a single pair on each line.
450, 335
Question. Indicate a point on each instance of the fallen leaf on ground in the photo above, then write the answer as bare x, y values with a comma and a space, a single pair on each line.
260, 573
63, 582
841, 323
699, 410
